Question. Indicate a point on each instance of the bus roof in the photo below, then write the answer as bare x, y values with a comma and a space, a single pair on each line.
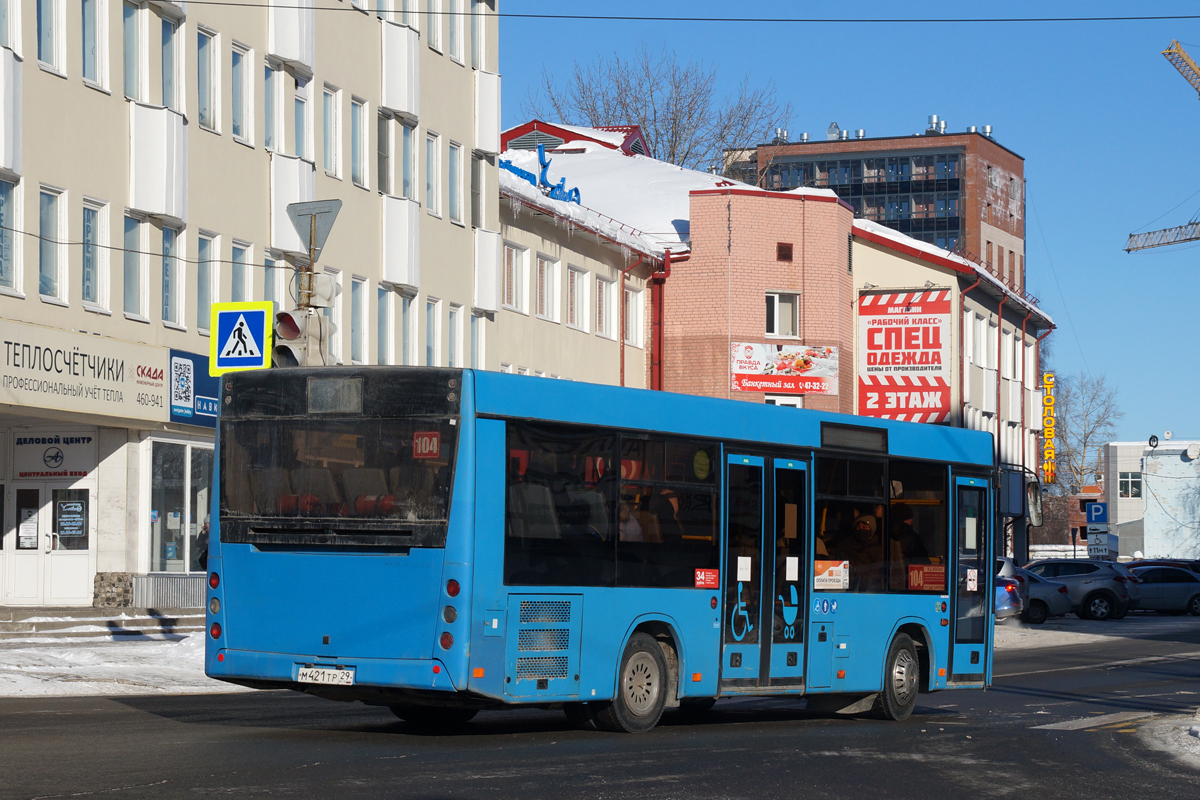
505, 395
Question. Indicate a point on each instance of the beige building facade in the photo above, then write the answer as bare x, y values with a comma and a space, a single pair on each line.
148, 153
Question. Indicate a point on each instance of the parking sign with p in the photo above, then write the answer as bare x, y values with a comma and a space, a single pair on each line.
1097, 513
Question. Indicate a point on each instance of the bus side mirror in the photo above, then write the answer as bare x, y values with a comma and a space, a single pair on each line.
1033, 503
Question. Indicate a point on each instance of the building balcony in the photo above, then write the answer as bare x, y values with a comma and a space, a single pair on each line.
1033, 412
1010, 396
401, 69
10, 112
292, 181
158, 161
401, 242
488, 256
290, 31
983, 389
487, 112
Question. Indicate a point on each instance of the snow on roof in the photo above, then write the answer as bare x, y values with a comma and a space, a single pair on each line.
646, 195
616, 138
902, 239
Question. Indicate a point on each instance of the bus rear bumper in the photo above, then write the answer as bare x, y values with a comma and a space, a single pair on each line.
282, 670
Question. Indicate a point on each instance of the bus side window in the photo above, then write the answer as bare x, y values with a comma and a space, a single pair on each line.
919, 526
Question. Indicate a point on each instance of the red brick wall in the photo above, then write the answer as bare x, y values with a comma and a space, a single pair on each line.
718, 296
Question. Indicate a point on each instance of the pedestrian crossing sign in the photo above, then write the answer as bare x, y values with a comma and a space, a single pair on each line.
240, 337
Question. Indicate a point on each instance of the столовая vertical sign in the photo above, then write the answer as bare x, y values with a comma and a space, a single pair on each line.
904, 355
1049, 416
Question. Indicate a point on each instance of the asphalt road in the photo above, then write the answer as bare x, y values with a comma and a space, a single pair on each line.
957, 744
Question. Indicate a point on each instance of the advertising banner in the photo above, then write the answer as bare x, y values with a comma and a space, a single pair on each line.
904, 358
783, 368
193, 391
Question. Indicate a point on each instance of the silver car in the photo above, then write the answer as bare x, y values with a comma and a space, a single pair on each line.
1098, 589
1042, 598
1169, 590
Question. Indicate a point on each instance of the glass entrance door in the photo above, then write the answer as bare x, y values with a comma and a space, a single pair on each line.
52, 532
743, 636
790, 526
973, 585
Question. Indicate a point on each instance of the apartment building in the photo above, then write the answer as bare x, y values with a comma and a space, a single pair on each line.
149, 151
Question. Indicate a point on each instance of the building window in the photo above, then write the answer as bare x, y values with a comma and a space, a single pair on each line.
206, 270
131, 33
408, 162
133, 266
8, 226
50, 40
455, 192
49, 247
433, 24
783, 251
477, 193
170, 277
383, 326
383, 154
406, 329
333, 316
783, 314
477, 33
633, 317
181, 478
300, 123
170, 67
331, 113
454, 354
406, 12
271, 84
93, 39
432, 337
431, 173
603, 310
94, 255
454, 30
237, 273
576, 298
206, 79
547, 289
1130, 484
477, 325
240, 94
514, 278
271, 274
358, 322
358, 145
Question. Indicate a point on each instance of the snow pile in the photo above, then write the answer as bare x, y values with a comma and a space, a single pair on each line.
172, 664
1061, 631
1179, 736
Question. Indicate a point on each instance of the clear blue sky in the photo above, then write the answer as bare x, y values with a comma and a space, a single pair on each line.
1107, 127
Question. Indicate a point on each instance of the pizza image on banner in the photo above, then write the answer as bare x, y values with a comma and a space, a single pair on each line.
783, 368
904, 364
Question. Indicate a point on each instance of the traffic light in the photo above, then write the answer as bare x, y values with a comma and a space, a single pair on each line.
301, 339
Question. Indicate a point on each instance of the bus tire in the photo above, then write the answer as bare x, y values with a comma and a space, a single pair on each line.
433, 717
901, 680
641, 688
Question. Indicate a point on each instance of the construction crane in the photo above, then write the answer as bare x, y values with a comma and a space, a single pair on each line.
1191, 231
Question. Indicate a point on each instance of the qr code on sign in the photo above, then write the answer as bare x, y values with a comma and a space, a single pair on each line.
182, 382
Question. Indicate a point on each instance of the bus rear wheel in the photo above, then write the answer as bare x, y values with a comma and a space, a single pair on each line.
901, 680
435, 718
641, 690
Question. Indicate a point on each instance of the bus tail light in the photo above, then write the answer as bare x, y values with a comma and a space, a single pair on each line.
215, 630
446, 641
452, 588
214, 580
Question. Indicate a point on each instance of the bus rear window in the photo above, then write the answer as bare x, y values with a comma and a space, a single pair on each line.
356, 468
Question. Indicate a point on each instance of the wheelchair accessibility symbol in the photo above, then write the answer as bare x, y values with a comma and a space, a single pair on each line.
739, 612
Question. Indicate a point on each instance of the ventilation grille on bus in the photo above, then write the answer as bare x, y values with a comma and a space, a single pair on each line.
541, 667
544, 639
545, 611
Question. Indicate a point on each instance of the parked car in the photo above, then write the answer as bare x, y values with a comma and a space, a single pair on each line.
1043, 598
1187, 563
1169, 590
1007, 568
1008, 601
1098, 589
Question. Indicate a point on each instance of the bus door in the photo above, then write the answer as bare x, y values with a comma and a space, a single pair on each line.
969, 651
743, 639
790, 526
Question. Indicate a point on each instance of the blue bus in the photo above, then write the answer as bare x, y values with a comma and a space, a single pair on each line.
441, 541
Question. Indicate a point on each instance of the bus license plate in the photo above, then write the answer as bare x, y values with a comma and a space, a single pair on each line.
338, 677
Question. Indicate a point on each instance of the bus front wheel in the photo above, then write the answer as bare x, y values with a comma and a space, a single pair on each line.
431, 717
641, 691
901, 680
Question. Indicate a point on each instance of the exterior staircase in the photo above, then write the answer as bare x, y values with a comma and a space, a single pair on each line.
79, 624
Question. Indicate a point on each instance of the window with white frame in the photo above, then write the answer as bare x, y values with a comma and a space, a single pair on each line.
408, 330
333, 316
1129, 484
383, 153
1006, 355
433, 331
172, 283
981, 325
522, 370
477, 220
8, 238
237, 272
478, 9
93, 289
433, 24
455, 187
546, 293
206, 79
51, 247
506, 368
407, 14
5, 23
993, 345
454, 337
272, 87
604, 302
783, 314
358, 142
454, 30
134, 266
633, 316
169, 62
432, 195
383, 326
300, 126
478, 322
239, 91
331, 114
131, 33
179, 477
514, 277
207, 263
577, 305
969, 337
50, 33
272, 291
358, 320
408, 138
95, 39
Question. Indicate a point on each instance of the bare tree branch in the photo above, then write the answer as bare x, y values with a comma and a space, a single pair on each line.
676, 105
1086, 420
